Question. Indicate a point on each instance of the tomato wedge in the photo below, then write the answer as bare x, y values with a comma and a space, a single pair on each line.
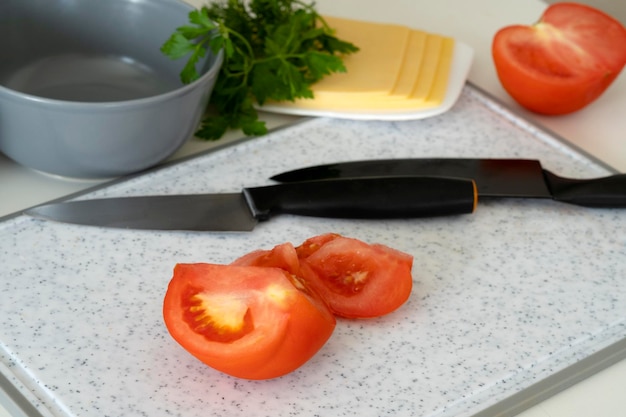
562, 63
270, 311
246, 321
282, 256
356, 279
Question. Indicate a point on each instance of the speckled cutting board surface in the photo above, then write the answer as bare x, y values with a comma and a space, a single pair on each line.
502, 298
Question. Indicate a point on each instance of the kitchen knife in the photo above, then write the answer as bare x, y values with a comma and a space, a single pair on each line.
495, 178
372, 198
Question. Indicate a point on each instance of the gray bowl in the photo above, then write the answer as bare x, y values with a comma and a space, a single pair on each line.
85, 91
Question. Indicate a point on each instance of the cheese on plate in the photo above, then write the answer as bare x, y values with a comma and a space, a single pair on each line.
397, 70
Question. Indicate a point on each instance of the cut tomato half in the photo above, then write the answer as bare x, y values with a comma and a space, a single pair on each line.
270, 311
562, 63
356, 279
246, 321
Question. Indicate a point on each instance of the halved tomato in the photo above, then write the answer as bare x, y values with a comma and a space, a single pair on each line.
356, 279
563, 62
246, 321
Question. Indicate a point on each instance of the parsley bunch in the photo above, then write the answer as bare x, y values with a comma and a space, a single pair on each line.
273, 50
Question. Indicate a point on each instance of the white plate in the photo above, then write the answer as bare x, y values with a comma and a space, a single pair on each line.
461, 63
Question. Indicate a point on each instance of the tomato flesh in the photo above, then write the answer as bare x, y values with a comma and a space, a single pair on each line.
219, 318
270, 311
282, 256
563, 62
248, 322
356, 279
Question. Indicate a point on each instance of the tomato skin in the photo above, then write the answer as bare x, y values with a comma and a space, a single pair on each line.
270, 311
282, 256
563, 62
289, 324
356, 279
325, 260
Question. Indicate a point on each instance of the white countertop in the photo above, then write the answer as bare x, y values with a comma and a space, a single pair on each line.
596, 130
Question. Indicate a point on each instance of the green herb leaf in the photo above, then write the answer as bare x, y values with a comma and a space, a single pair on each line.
177, 46
321, 64
274, 50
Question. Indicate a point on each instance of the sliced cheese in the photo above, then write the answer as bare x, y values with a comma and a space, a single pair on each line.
414, 55
375, 67
428, 71
440, 86
352, 103
395, 69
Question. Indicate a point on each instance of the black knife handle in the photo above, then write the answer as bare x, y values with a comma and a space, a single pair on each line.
366, 198
605, 192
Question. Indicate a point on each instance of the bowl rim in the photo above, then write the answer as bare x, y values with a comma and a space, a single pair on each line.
90, 105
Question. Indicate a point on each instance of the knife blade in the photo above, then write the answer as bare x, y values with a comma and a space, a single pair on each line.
495, 178
366, 198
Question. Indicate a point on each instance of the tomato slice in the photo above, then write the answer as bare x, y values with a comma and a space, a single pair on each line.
562, 63
356, 279
246, 321
282, 256
270, 311
311, 245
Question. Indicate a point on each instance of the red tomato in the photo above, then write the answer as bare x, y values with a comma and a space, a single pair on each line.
248, 322
282, 256
563, 62
356, 279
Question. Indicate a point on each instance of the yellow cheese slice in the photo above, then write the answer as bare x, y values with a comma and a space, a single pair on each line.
428, 70
440, 85
375, 67
414, 55
352, 103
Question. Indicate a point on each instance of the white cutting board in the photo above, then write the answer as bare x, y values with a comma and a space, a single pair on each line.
502, 298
